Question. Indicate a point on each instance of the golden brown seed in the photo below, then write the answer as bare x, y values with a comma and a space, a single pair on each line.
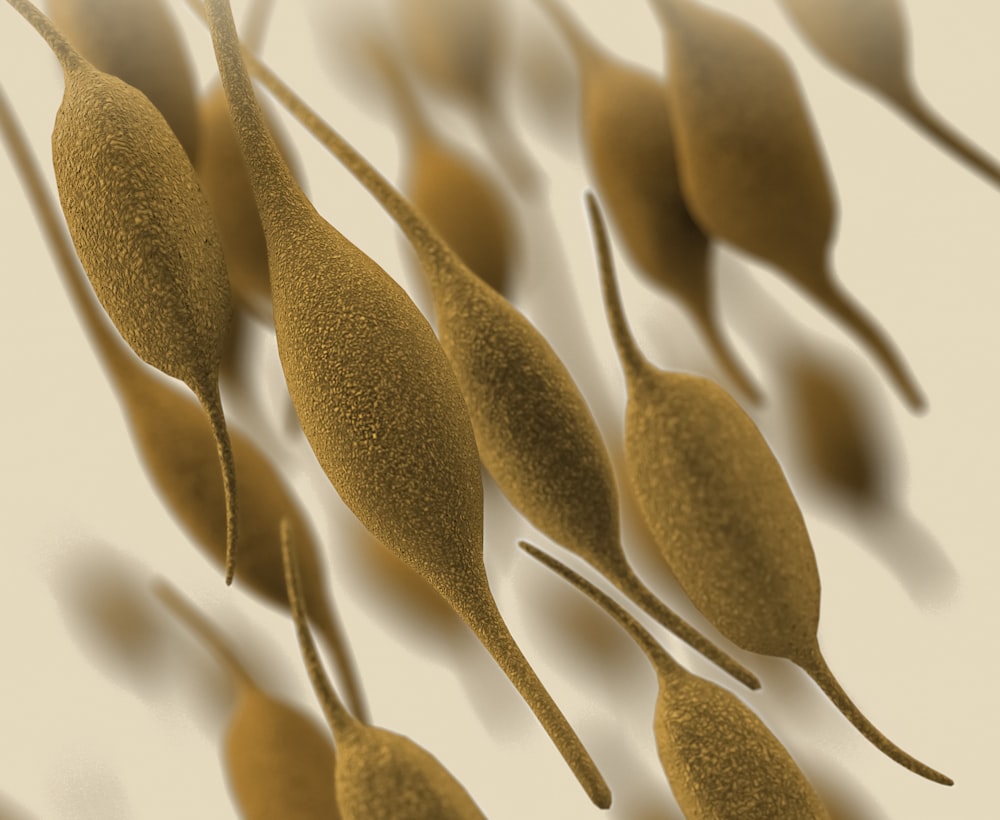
867, 40
378, 400
453, 191
144, 233
176, 446
722, 514
380, 775
458, 47
279, 761
138, 42
535, 432
750, 163
720, 758
629, 144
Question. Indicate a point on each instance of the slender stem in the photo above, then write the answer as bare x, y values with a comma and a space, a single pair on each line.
341, 721
657, 655
723, 351
209, 635
584, 48
412, 113
68, 57
330, 628
212, 402
505, 146
630, 584
255, 28
815, 666
479, 611
632, 359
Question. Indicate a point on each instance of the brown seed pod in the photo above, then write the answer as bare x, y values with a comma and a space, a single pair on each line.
721, 760
867, 40
720, 509
453, 191
628, 139
457, 46
378, 400
176, 446
138, 42
535, 432
278, 759
144, 233
750, 163
380, 775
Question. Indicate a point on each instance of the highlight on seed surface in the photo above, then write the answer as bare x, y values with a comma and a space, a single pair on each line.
721, 760
176, 446
379, 774
378, 400
452, 190
628, 139
137, 41
868, 40
725, 520
751, 167
278, 760
535, 433
144, 233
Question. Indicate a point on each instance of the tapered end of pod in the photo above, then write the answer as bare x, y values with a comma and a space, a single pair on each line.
212, 402
724, 354
337, 716
642, 596
68, 57
861, 323
815, 666
632, 359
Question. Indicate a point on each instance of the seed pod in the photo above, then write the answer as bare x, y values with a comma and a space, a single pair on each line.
750, 163
722, 514
453, 191
721, 760
457, 46
144, 234
535, 432
138, 42
279, 761
380, 775
378, 400
629, 144
867, 40
175, 445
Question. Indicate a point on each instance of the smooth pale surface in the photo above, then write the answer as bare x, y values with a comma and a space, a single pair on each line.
916, 243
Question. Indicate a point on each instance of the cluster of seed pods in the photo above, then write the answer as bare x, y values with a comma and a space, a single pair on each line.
177, 213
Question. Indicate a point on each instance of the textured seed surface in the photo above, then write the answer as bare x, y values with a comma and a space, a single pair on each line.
138, 42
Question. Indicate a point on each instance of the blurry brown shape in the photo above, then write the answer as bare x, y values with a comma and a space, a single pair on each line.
139, 42
545, 78
9, 810
452, 190
279, 761
868, 41
843, 441
458, 47
751, 165
629, 144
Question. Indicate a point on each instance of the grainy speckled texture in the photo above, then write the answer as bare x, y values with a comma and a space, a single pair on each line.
723, 763
629, 144
384, 776
139, 42
141, 226
750, 162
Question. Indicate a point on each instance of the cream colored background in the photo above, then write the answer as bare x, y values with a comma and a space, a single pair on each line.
917, 244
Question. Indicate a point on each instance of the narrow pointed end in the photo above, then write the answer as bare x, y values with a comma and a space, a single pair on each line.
212, 402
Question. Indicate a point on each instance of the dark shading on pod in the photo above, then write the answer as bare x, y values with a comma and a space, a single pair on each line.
750, 163
176, 447
144, 233
722, 514
378, 400
629, 143
721, 760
